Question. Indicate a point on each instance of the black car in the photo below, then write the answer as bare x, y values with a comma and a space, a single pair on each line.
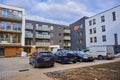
65, 56
43, 58
81, 56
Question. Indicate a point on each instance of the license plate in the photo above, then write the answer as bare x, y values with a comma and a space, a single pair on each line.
46, 59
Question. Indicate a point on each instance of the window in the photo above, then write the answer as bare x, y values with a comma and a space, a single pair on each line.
114, 16
102, 18
104, 38
94, 30
3, 25
90, 31
81, 33
7, 25
81, 26
91, 40
95, 39
60, 41
90, 23
17, 26
17, 14
94, 21
81, 41
60, 34
103, 28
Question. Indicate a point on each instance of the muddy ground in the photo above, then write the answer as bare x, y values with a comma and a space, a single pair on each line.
109, 71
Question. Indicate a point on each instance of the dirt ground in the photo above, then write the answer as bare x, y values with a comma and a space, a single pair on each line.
109, 71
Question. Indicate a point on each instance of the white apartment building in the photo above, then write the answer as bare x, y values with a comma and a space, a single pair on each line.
103, 28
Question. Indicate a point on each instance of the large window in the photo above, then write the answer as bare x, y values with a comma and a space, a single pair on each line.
17, 14
90, 31
6, 12
7, 25
3, 25
17, 26
94, 21
114, 16
103, 28
16, 38
102, 18
104, 38
94, 30
91, 40
95, 39
90, 23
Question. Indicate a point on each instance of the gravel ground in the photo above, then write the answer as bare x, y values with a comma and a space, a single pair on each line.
108, 71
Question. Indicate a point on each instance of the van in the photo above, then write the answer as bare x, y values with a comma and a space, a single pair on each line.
101, 52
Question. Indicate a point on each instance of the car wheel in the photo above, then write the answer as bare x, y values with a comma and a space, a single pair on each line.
34, 65
74, 61
52, 65
81, 60
100, 57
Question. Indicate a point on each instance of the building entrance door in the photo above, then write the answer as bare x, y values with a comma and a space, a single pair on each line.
1, 51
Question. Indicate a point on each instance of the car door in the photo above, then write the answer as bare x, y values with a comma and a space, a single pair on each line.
57, 56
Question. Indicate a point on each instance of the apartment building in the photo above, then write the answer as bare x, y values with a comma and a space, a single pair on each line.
104, 29
42, 35
12, 22
78, 36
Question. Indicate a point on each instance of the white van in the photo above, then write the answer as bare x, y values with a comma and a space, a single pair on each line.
101, 52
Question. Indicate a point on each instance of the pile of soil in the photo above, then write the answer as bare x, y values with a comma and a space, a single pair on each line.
109, 71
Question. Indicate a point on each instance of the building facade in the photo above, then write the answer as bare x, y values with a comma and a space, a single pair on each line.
42, 35
12, 22
78, 36
104, 29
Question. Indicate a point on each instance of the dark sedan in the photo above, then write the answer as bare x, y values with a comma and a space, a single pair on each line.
43, 58
81, 56
65, 56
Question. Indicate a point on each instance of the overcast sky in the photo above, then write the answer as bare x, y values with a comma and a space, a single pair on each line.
61, 11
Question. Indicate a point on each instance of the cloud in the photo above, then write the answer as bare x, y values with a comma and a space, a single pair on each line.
62, 11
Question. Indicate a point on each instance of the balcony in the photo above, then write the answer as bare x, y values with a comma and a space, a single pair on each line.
29, 27
42, 36
42, 29
67, 38
67, 44
67, 31
10, 30
6, 42
10, 19
29, 35
43, 44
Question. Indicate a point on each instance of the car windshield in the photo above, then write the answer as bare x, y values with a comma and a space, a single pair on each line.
80, 52
45, 53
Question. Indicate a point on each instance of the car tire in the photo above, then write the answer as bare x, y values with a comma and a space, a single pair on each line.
34, 65
100, 57
81, 60
52, 65
74, 62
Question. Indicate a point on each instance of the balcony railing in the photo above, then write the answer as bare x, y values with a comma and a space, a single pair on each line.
42, 43
29, 35
67, 38
42, 36
4, 40
42, 29
28, 27
67, 44
11, 30
66, 31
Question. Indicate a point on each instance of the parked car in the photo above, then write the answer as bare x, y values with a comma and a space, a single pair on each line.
65, 56
42, 58
81, 56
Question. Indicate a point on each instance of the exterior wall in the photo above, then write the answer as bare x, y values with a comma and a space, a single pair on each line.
75, 34
54, 31
11, 48
12, 51
112, 27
